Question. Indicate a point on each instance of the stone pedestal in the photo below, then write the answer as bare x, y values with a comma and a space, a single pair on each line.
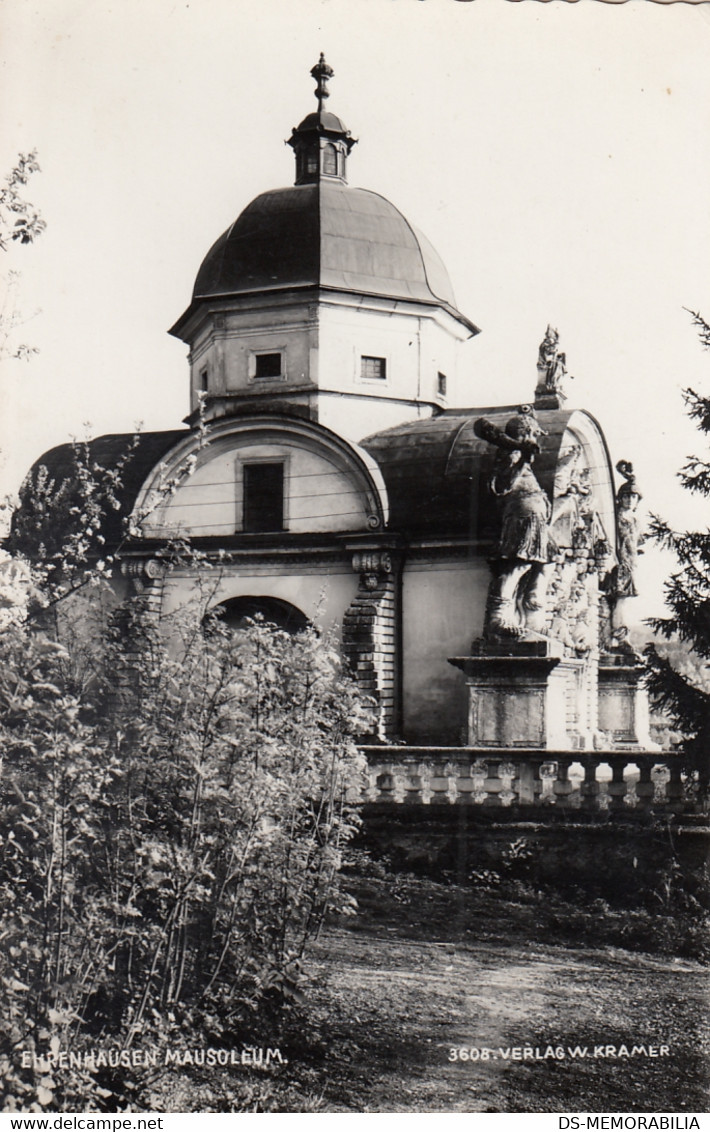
623, 704
524, 694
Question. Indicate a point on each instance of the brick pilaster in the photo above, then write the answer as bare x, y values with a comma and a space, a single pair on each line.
370, 633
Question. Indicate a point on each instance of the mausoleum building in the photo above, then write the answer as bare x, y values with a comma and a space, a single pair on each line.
343, 463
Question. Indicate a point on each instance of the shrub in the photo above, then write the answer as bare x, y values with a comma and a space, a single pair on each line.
173, 836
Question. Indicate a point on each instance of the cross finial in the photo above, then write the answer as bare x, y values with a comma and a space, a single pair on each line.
321, 73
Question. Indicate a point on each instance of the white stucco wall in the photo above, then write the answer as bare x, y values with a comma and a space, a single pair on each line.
322, 344
227, 343
443, 604
322, 591
318, 495
415, 348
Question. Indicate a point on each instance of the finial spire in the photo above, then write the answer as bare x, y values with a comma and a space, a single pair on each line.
322, 142
321, 73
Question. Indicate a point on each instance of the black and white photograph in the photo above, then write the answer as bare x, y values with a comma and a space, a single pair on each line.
354, 559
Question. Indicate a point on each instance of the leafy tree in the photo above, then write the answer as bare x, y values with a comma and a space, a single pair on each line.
678, 691
60, 524
19, 222
171, 837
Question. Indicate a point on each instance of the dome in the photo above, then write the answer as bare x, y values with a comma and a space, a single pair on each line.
322, 121
325, 234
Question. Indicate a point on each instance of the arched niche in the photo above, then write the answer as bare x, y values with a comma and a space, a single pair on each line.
237, 612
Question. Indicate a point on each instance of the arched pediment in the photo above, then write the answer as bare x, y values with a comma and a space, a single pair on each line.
262, 474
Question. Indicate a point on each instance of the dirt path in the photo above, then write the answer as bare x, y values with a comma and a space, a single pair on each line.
393, 1010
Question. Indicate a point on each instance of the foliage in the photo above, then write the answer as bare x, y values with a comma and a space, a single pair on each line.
685, 701
61, 525
174, 804
171, 842
19, 222
11, 319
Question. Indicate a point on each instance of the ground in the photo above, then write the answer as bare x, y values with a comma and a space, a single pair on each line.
426, 969
399, 1009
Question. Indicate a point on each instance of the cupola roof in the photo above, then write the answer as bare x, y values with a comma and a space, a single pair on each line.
322, 233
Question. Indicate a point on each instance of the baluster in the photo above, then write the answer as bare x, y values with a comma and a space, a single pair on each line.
451, 772
466, 784
562, 787
527, 782
589, 790
675, 789
399, 784
617, 788
479, 774
372, 790
644, 788
425, 773
384, 783
439, 784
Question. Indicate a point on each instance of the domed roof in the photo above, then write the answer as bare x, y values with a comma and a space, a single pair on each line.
325, 234
323, 121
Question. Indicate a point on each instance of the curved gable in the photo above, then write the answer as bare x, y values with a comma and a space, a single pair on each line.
230, 484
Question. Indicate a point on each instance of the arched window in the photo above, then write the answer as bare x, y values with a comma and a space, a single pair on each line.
330, 160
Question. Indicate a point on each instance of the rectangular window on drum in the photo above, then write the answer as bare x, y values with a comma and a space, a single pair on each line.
263, 497
267, 365
373, 369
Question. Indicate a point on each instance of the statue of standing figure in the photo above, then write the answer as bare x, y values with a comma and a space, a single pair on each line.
551, 368
516, 598
620, 584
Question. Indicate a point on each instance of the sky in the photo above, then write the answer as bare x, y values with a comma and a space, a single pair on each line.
557, 156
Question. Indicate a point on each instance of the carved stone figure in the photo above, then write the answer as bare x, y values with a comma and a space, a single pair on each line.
571, 509
620, 583
516, 596
628, 531
551, 366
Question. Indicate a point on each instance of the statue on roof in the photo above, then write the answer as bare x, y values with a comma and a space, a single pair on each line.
551, 371
516, 597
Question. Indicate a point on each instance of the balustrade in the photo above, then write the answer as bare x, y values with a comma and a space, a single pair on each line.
601, 781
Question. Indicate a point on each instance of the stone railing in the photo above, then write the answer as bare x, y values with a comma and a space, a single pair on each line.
586, 781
